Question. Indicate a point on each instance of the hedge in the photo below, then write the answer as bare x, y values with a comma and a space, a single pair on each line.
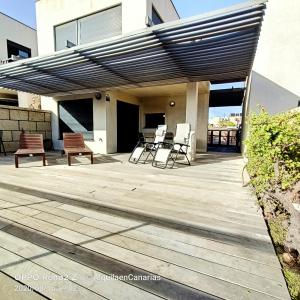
273, 152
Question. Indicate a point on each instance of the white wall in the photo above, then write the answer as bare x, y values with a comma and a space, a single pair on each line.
173, 115
133, 15
111, 120
53, 12
49, 103
276, 69
17, 32
99, 145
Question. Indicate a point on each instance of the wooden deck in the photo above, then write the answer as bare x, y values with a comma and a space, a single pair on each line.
192, 232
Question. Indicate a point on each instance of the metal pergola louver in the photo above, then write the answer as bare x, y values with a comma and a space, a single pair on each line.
217, 47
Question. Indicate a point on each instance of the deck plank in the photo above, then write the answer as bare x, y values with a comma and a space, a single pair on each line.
191, 278
14, 290
41, 279
220, 244
73, 271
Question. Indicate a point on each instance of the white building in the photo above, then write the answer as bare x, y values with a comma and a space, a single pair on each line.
274, 82
235, 118
106, 71
17, 41
59, 23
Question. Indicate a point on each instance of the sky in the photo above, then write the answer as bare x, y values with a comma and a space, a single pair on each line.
24, 11
188, 8
21, 10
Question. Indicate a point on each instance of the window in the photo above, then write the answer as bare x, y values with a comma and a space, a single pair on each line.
101, 25
156, 19
65, 34
153, 120
10, 102
76, 116
17, 50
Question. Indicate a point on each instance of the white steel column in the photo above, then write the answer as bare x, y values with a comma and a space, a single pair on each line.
192, 114
202, 123
50, 103
99, 144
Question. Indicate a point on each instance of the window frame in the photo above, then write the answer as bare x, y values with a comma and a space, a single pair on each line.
54, 31
158, 14
161, 114
19, 47
77, 23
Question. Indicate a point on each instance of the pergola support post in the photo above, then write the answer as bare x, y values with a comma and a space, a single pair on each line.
192, 115
202, 123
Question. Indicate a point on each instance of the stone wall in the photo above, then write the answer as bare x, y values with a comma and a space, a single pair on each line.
14, 119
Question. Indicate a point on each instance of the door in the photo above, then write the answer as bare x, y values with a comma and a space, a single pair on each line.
127, 126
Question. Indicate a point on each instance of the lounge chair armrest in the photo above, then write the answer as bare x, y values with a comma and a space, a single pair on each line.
141, 143
181, 145
154, 144
165, 143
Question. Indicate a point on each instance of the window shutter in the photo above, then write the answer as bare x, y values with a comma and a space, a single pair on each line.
101, 25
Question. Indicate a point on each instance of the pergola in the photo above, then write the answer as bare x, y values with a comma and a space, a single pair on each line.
217, 47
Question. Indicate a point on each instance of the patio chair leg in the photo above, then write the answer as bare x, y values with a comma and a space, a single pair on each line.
92, 158
174, 159
69, 159
150, 153
44, 160
16, 161
189, 163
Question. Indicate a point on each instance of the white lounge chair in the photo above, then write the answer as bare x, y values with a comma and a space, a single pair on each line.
150, 147
167, 152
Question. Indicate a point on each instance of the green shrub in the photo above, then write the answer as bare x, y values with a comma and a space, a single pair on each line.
273, 152
278, 232
293, 280
274, 139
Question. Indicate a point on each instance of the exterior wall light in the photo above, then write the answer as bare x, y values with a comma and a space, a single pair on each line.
98, 95
172, 103
107, 97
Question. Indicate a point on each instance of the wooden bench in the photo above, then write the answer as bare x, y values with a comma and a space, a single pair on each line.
74, 146
30, 145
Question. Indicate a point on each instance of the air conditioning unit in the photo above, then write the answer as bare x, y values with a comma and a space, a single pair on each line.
15, 57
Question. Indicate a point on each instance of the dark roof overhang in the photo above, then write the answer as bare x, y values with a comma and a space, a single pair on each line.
226, 97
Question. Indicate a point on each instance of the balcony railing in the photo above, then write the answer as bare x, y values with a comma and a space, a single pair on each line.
11, 59
224, 137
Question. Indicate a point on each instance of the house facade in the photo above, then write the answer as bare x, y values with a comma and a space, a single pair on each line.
17, 41
111, 126
112, 69
274, 80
